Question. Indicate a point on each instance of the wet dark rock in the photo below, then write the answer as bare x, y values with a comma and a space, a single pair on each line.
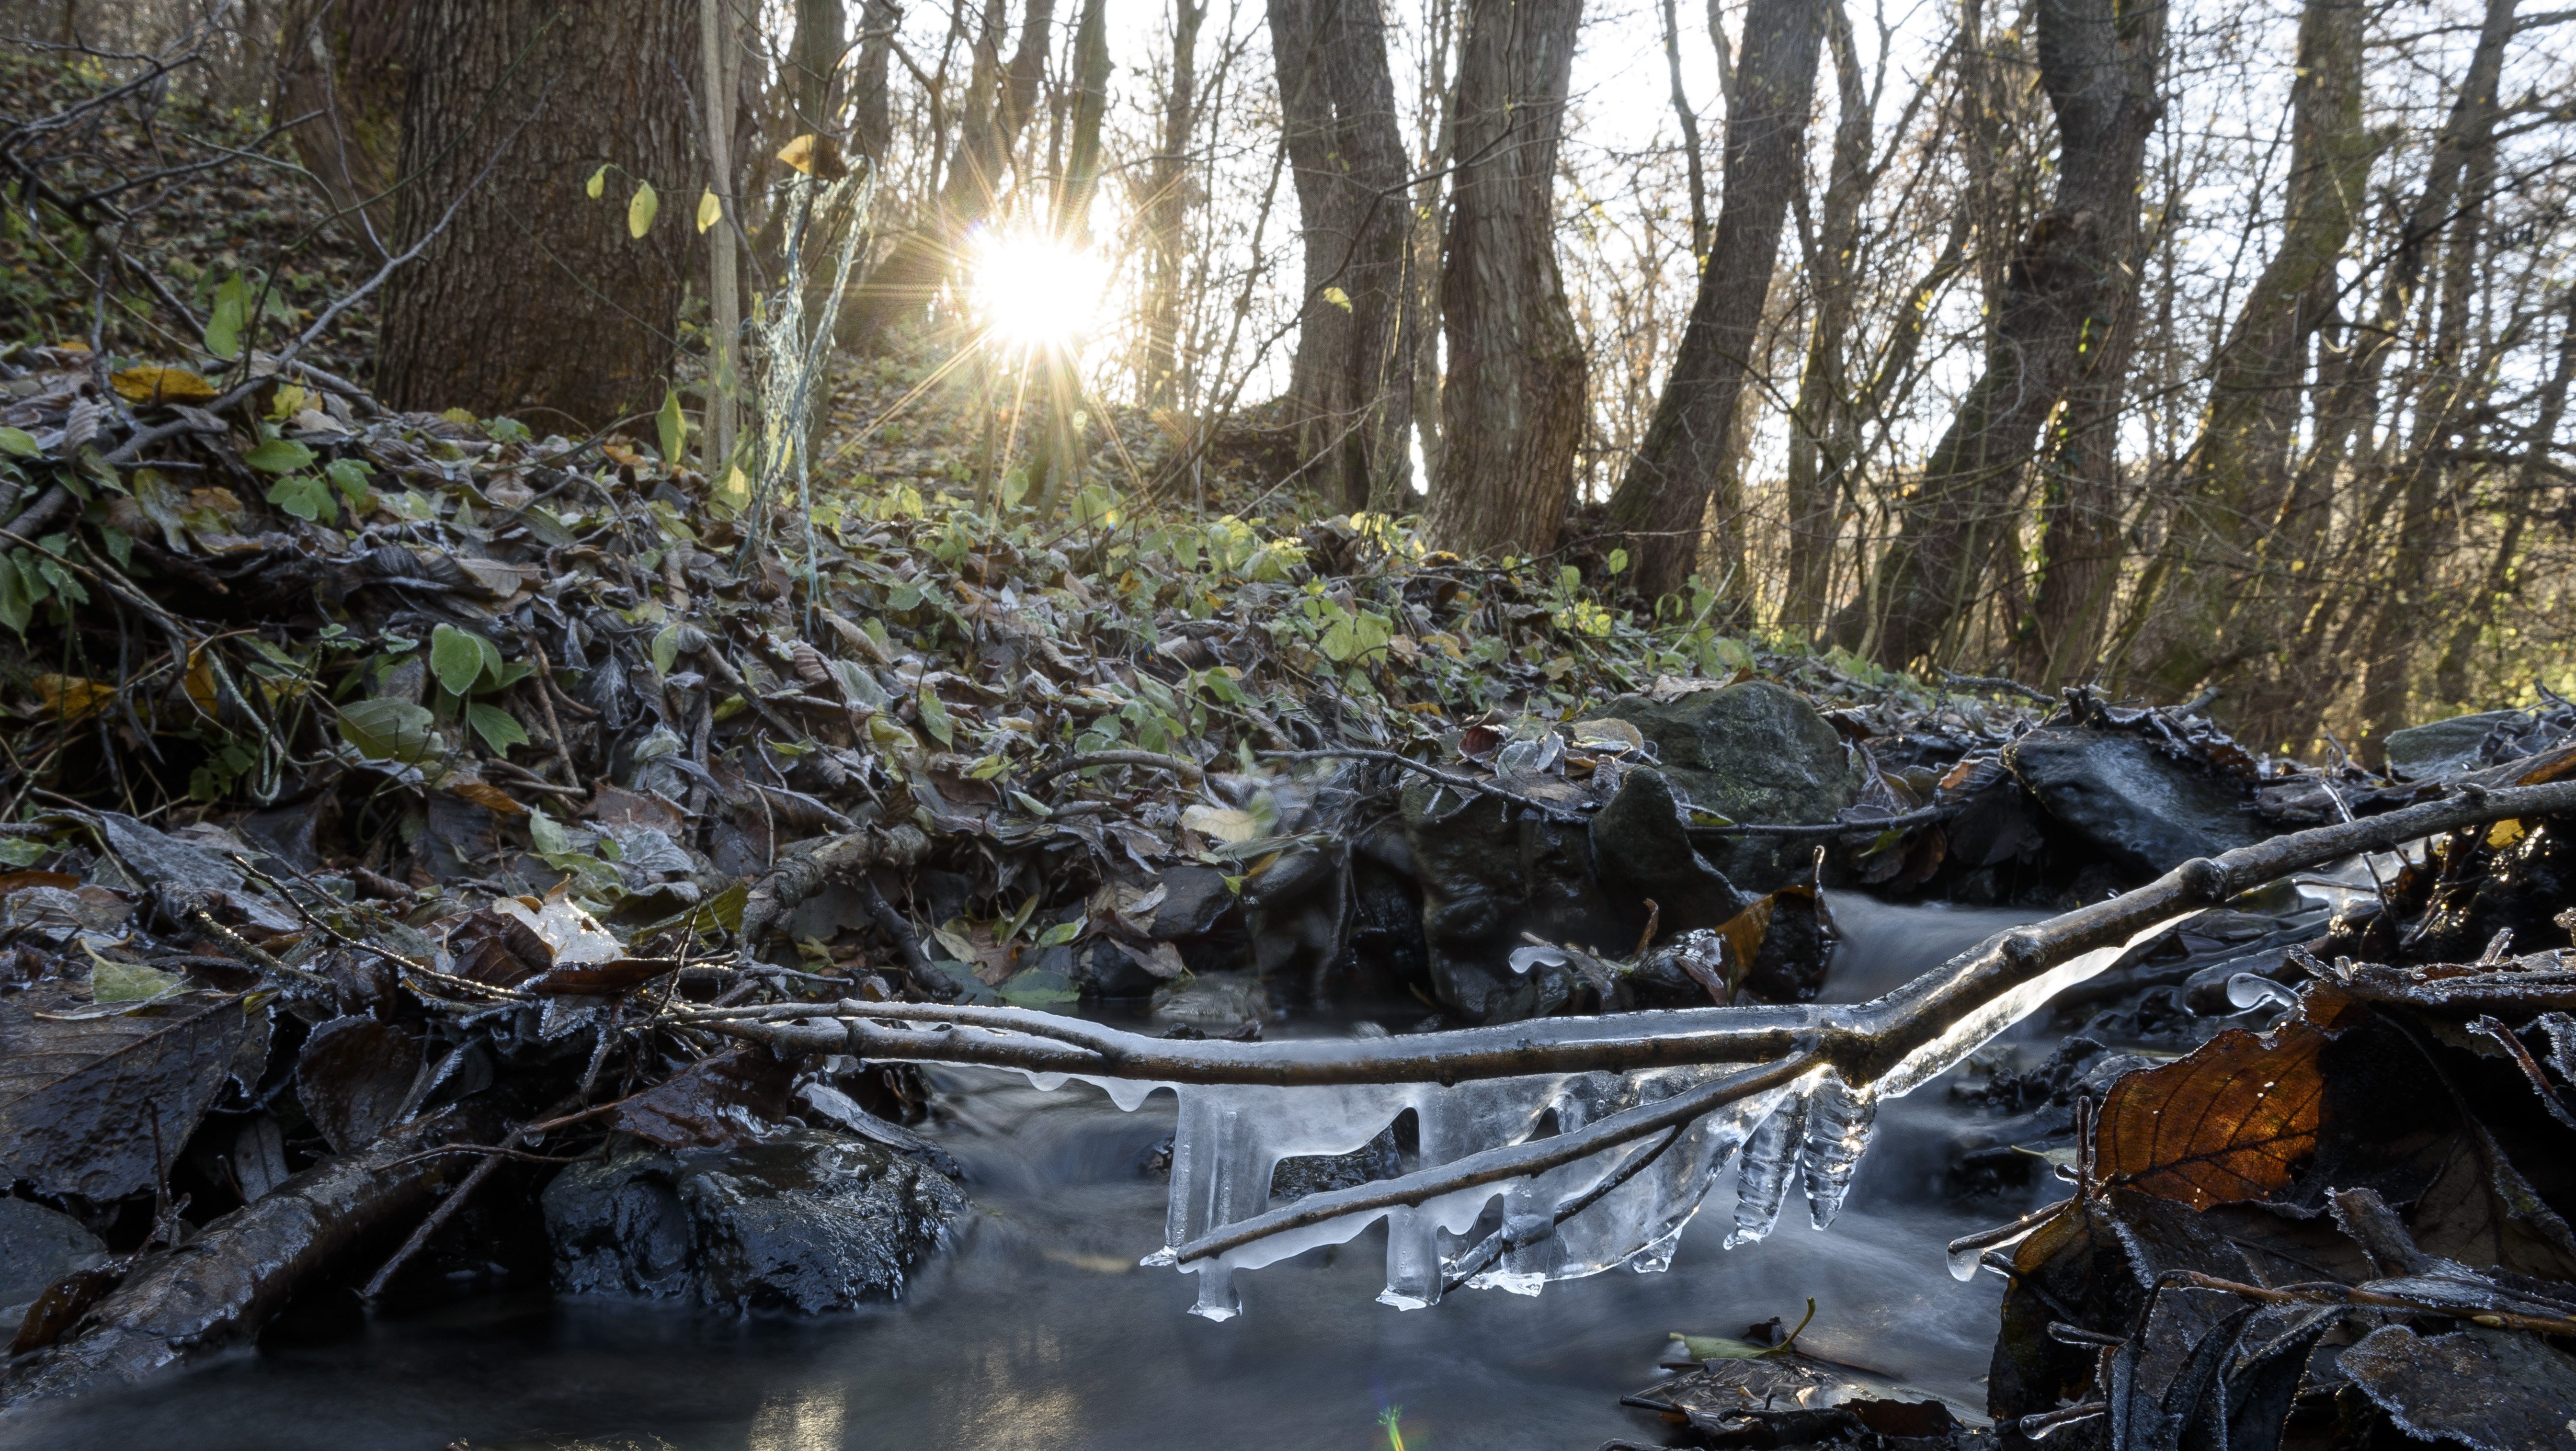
1755, 751
2146, 811
2437, 748
1216, 1001
1193, 898
802, 1221
1317, 1173
1488, 874
1644, 855
2522, 890
37, 1247
1098, 969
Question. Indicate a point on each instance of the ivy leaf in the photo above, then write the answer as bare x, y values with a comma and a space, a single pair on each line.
456, 658
935, 718
20, 442
351, 477
666, 649
388, 730
306, 496
499, 729
231, 313
641, 210
279, 456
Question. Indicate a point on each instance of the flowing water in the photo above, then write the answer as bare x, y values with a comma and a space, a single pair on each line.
1042, 1333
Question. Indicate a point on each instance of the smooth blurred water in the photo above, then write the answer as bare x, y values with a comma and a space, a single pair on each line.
1041, 1334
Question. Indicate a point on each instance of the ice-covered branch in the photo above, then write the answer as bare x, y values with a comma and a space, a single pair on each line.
1540, 1112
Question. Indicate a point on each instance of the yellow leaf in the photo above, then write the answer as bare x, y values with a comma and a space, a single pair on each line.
490, 798
598, 183
641, 210
710, 210
162, 385
1338, 298
2504, 834
1225, 823
200, 680
799, 153
69, 698
460, 417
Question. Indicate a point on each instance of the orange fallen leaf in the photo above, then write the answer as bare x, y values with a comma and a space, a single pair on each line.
150, 385
2236, 1119
69, 698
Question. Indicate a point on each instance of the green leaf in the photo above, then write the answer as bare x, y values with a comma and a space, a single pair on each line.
1618, 561
20, 442
935, 718
666, 649
111, 981
388, 730
456, 658
306, 496
499, 729
671, 426
19, 851
1037, 988
279, 456
641, 209
16, 606
1063, 932
547, 834
351, 477
231, 313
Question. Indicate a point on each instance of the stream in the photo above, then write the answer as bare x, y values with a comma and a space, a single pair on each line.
1042, 1333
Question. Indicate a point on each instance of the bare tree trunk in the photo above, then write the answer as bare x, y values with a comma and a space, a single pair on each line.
1350, 382
1688, 120
344, 59
1512, 405
2212, 608
871, 99
717, 73
1820, 432
536, 299
2460, 183
1663, 500
813, 63
1167, 211
2099, 62
999, 103
2522, 500
1438, 102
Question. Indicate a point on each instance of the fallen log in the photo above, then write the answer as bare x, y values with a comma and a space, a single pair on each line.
220, 1286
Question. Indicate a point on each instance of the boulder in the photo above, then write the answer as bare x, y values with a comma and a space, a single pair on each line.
800, 1221
1643, 855
1486, 878
2144, 810
2437, 748
1754, 751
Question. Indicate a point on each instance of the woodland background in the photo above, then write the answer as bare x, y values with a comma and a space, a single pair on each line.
2163, 343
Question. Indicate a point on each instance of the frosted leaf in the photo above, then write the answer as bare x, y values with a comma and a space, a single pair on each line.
1763, 1180
1839, 1119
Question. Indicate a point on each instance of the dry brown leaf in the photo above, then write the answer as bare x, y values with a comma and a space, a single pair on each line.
2235, 1120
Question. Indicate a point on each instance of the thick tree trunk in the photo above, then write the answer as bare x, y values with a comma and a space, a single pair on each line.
1350, 384
536, 300
1512, 404
871, 97
1663, 500
2099, 62
344, 59
2215, 606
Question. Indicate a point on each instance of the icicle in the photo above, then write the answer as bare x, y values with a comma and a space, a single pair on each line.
1839, 1119
1763, 1180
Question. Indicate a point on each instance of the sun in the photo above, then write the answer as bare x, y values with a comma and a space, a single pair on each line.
1035, 290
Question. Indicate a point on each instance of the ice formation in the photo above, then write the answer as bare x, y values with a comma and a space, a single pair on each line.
1814, 1128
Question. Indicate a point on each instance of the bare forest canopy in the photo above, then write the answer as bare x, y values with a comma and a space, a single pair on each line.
2171, 347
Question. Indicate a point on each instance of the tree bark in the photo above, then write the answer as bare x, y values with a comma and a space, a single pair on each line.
344, 59
813, 64
1823, 425
536, 299
871, 97
1350, 383
2213, 607
2522, 500
2098, 62
1512, 404
1663, 500
1167, 211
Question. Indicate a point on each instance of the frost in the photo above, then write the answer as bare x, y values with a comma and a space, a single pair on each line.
1231, 1138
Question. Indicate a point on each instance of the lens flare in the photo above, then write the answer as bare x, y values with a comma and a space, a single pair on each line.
1035, 290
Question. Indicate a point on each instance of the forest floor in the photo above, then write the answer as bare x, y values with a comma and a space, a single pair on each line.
387, 791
